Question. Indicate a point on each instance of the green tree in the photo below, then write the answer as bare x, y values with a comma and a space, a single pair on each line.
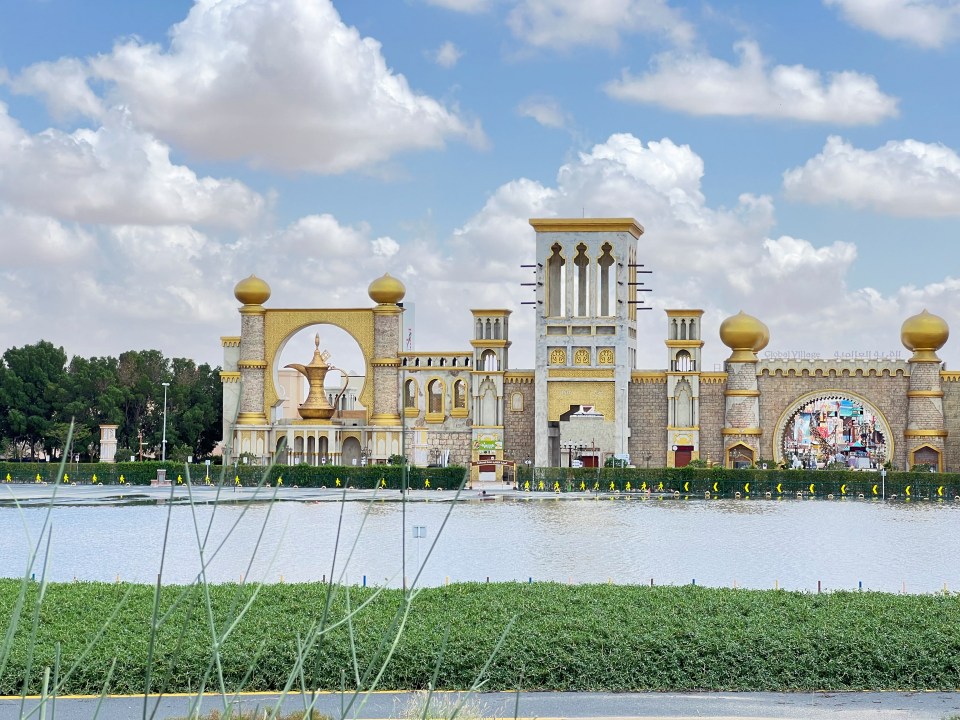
32, 390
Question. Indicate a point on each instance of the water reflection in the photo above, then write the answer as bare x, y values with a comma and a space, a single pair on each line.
750, 543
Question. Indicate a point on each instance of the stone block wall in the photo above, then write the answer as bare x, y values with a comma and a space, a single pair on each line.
886, 390
711, 417
518, 425
951, 420
458, 443
648, 420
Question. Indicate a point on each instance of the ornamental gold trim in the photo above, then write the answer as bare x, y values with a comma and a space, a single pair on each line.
741, 431
647, 377
581, 356
519, 377
227, 376
925, 433
713, 378
741, 393
562, 395
230, 340
587, 225
252, 364
606, 356
925, 393
558, 356
949, 376
579, 373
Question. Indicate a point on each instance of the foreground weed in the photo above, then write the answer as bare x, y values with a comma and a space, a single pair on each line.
426, 705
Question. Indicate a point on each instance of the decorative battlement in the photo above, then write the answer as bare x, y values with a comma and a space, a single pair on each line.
833, 368
448, 359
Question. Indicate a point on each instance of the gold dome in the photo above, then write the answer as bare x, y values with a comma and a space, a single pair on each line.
745, 335
924, 334
386, 290
252, 291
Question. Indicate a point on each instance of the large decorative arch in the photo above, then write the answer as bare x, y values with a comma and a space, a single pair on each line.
830, 394
281, 325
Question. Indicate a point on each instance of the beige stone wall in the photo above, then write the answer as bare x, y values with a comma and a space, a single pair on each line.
951, 416
885, 391
711, 419
518, 425
386, 344
648, 422
458, 443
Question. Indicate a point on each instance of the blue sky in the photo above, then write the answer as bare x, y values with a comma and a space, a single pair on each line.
797, 160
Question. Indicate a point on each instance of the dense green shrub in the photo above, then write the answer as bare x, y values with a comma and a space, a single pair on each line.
583, 637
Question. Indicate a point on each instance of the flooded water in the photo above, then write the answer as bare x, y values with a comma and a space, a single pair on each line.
792, 544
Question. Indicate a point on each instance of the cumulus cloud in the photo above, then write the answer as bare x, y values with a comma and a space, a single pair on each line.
116, 175
703, 85
906, 178
447, 55
38, 242
63, 85
284, 84
715, 258
467, 6
561, 24
927, 23
545, 110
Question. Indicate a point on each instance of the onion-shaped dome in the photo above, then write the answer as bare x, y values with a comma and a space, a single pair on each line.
252, 291
745, 335
386, 290
924, 334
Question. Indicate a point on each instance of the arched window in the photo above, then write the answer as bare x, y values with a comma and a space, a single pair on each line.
490, 361
410, 395
460, 398
581, 282
673, 330
608, 285
693, 330
555, 281
442, 362
683, 362
435, 397
496, 329
479, 329
489, 333
683, 329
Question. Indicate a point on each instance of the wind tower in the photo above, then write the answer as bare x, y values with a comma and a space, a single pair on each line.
586, 337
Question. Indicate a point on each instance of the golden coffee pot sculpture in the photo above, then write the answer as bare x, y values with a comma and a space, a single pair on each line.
316, 406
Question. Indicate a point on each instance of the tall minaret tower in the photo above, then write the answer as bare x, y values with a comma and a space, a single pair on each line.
925, 434
491, 341
746, 336
684, 344
586, 333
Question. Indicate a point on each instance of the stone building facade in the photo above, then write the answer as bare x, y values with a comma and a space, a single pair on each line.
584, 403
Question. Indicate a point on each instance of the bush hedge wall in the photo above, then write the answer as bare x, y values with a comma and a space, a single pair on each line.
688, 481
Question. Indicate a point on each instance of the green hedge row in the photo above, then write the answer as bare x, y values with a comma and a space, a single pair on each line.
724, 482
143, 473
564, 638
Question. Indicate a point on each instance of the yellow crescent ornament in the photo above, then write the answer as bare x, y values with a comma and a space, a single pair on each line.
940, 491
811, 487
715, 487
874, 489
779, 487
843, 489
686, 487
908, 490
746, 487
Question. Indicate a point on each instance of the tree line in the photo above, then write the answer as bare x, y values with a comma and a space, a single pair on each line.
41, 393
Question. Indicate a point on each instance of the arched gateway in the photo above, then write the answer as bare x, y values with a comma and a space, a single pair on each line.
833, 427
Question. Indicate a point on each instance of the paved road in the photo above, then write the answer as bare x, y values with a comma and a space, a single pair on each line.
672, 706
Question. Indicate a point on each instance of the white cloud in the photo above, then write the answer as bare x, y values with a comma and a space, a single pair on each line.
718, 259
702, 85
38, 242
467, 6
284, 84
447, 55
928, 23
545, 110
561, 24
114, 175
64, 87
905, 178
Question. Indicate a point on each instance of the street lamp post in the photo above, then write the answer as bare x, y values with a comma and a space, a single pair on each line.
163, 451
